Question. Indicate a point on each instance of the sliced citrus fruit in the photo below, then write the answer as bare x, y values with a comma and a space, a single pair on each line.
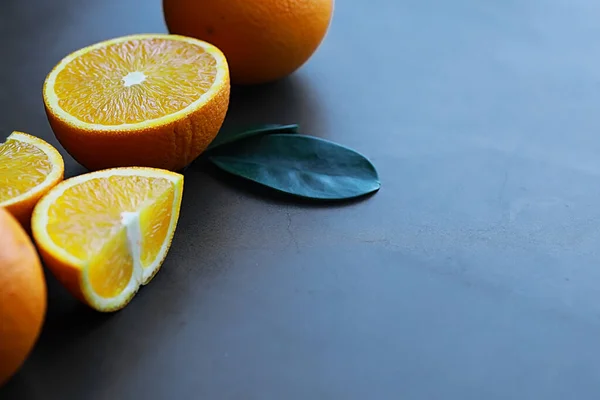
105, 233
29, 167
152, 100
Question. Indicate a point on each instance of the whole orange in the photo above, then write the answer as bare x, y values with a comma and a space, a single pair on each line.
263, 40
22, 296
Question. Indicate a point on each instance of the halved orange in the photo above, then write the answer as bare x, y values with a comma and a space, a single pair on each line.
153, 100
29, 167
105, 233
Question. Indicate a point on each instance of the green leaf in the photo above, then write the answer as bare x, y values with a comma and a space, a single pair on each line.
300, 165
260, 130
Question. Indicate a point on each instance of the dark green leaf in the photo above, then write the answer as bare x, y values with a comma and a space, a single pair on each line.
266, 129
300, 165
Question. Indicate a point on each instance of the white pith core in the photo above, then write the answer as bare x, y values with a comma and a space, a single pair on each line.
131, 222
133, 78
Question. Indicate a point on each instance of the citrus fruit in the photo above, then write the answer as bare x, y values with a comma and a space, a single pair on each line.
151, 100
29, 167
22, 296
105, 233
263, 40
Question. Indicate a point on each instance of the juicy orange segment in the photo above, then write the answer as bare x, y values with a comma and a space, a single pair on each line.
106, 233
24, 166
112, 269
155, 230
29, 167
143, 100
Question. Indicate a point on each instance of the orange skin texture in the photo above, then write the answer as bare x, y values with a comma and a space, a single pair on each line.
23, 297
22, 211
171, 146
68, 276
263, 40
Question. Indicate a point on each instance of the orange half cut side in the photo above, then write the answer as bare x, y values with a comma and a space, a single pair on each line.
154, 100
29, 167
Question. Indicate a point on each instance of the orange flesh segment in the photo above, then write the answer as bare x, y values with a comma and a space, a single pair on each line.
135, 81
154, 224
22, 167
86, 221
110, 271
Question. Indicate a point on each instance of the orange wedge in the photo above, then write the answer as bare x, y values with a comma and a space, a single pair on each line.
152, 100
105, 233
29, 167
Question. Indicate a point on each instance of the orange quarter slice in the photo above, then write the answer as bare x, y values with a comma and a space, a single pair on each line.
154, 100
29, 167
106, 233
